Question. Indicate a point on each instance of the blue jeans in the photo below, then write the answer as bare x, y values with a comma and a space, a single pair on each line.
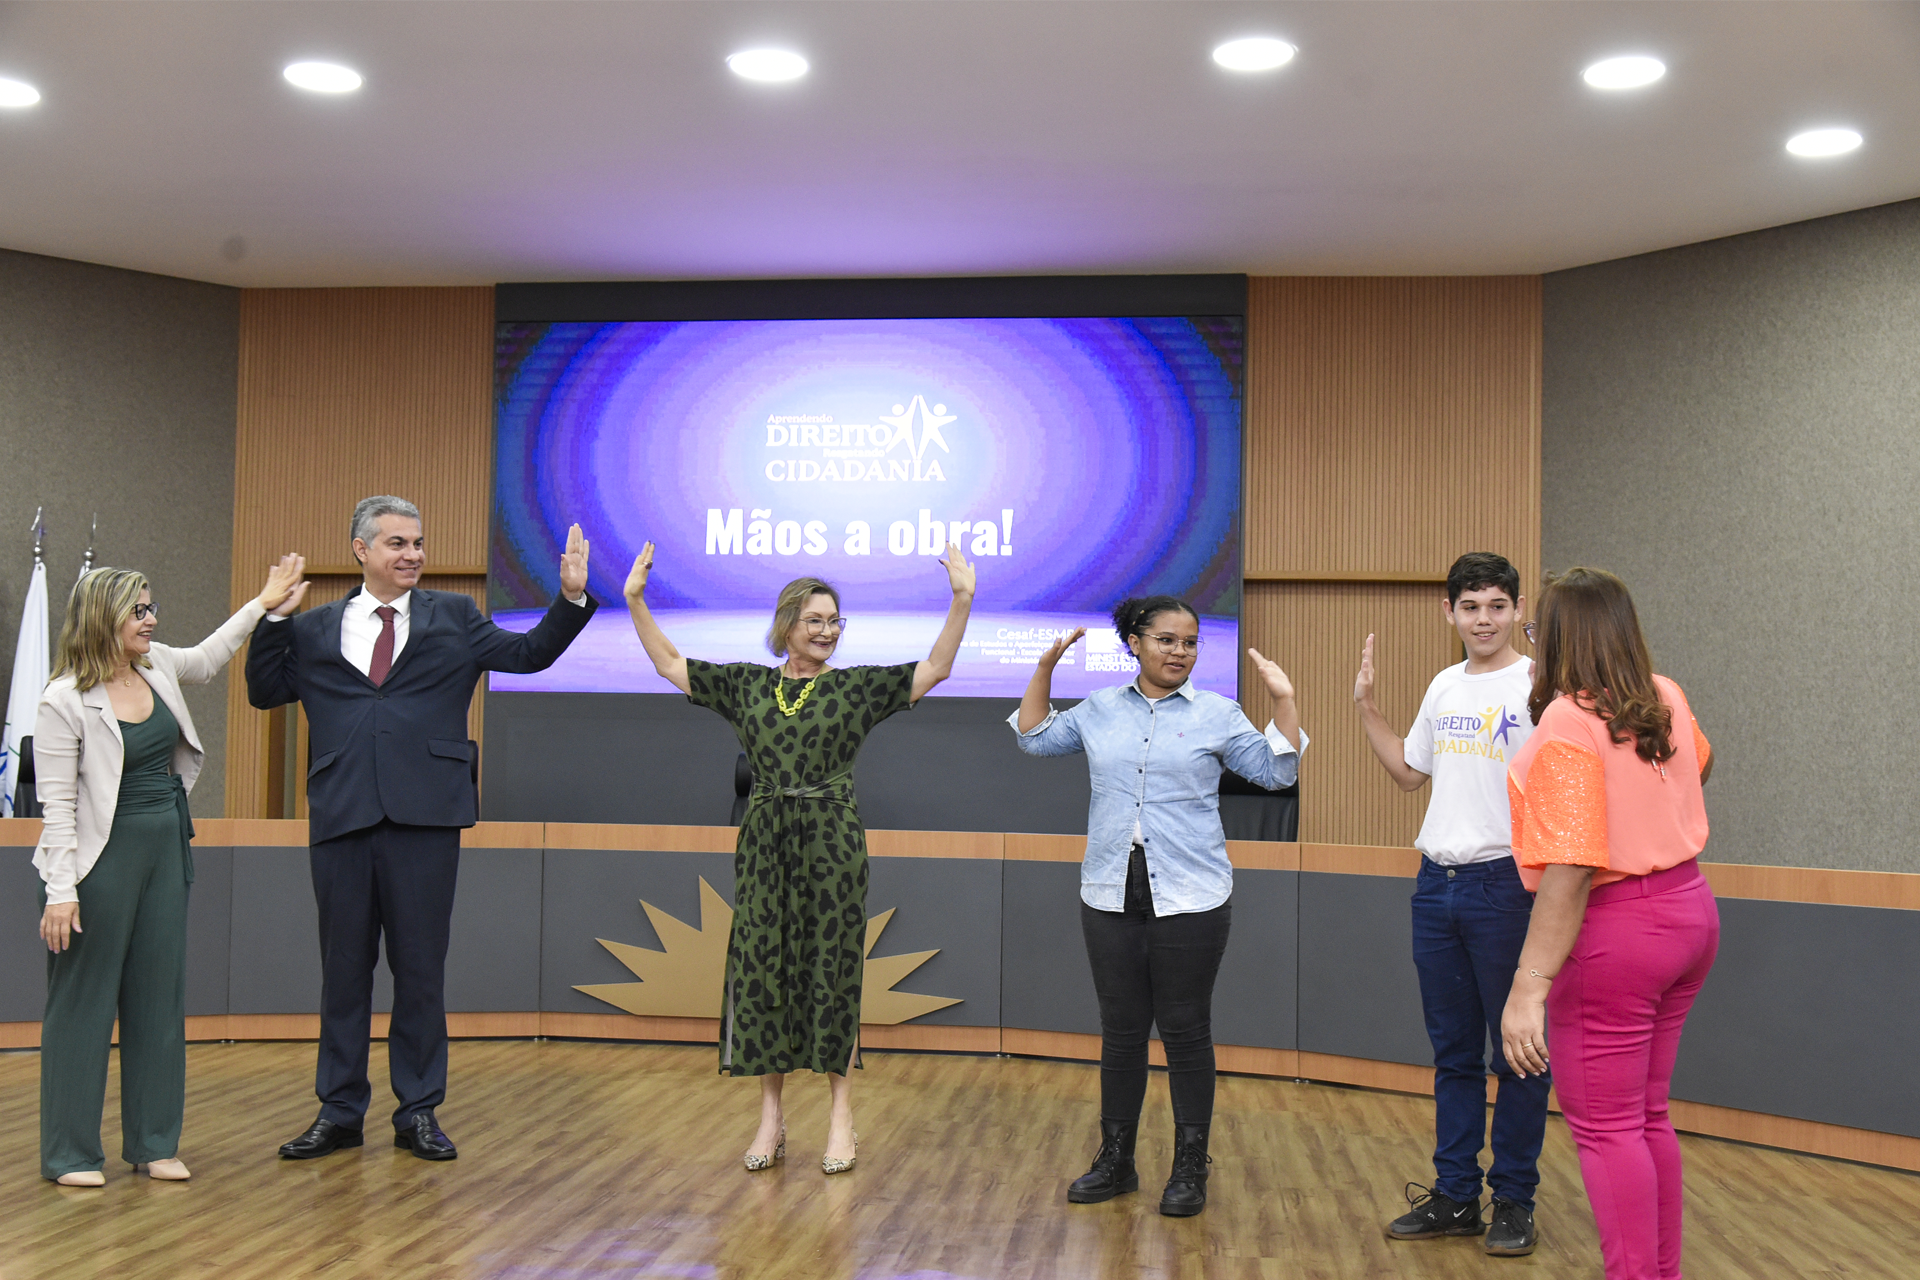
1468, 926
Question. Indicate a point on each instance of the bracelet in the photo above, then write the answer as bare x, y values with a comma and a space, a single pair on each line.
1544, 977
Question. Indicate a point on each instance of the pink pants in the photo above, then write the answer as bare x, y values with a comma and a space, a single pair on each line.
1614, 1017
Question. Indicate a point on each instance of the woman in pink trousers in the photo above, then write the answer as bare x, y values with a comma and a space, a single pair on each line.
1607, 823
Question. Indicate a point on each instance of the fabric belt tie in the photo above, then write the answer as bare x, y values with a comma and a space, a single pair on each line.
790, 889
186, 822
1671, 880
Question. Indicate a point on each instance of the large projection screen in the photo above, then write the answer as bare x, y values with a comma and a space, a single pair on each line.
1077, 459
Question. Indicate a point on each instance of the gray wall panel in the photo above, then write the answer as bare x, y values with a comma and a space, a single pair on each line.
1724, 423
276, 936
952, 904
1811, 1011
1045, 983
23, 957
657, 758
1359, 996
591, 757
596, 893
1255, 1001
209, 931
966, 743
493, 959
93, 360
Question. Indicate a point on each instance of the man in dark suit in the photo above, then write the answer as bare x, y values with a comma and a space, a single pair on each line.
386, 676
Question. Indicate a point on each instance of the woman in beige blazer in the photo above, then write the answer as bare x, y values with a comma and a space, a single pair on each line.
115, 755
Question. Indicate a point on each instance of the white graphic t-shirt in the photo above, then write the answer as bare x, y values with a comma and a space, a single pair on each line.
1469, 728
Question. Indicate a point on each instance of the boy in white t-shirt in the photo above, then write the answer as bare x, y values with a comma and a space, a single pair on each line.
1470, 911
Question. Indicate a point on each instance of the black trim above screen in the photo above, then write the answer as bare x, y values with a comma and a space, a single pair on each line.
943, 297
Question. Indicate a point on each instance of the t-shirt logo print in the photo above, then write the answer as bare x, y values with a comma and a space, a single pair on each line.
1476, 735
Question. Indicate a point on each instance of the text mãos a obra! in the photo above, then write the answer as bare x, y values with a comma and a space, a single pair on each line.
754, 532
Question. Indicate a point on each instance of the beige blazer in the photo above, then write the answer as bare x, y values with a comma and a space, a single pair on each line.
78, 752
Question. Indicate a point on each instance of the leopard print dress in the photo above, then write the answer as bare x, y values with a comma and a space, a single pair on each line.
794, 961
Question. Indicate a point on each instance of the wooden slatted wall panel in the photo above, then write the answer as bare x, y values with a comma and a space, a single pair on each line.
1315, 630
345, 393
1392, 425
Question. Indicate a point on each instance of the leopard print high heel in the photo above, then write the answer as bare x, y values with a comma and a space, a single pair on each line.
830, 1166
756, 1163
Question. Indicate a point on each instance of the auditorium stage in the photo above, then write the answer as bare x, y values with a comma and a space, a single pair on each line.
610, 1159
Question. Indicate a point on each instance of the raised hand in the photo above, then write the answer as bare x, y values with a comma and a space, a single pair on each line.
1276, 680
637, 576
573, 564
1363, 683
1058, 649
286, 585
960, 574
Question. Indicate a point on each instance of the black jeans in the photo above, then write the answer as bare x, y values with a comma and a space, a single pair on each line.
1150, 969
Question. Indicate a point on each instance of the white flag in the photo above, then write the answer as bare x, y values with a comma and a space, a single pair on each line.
30, 666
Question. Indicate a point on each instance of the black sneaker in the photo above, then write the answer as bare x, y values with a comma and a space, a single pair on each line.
1433, 1215
1511, 1234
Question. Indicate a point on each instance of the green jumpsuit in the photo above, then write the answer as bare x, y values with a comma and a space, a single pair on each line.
129, 961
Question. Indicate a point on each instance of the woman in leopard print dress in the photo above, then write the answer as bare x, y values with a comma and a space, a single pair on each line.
794, 961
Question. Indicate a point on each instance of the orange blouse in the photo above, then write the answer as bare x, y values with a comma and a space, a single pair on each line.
1581, 799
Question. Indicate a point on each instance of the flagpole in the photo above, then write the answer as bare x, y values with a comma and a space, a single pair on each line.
31, 662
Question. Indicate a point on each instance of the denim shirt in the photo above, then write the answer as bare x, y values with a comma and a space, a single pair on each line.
1157, 764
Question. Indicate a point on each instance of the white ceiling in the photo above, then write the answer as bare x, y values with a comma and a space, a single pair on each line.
560, 140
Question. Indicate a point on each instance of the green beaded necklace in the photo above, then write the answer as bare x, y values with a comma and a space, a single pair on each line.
780, 693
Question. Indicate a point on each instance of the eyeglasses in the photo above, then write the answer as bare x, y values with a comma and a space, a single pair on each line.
1174, 644
1527, 628
141, 612
820, 626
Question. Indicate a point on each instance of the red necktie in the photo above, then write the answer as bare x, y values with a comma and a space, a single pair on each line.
383, 647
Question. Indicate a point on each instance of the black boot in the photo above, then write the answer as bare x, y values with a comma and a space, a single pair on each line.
1113, 1172
1186, 1192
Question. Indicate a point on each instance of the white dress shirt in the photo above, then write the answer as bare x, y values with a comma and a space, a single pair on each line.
360, 629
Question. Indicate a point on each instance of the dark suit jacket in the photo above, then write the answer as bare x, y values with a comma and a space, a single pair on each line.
399, 751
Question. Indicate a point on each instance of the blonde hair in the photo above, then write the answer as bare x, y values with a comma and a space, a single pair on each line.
786, 610
100, 605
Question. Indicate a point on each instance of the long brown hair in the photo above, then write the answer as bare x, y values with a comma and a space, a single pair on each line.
1591, 649
100, 605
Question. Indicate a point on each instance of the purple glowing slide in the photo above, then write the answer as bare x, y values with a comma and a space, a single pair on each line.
1076, 461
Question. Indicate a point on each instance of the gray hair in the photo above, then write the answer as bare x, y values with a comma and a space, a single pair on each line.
367, 513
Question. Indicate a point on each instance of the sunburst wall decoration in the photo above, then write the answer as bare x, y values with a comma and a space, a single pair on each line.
686, 979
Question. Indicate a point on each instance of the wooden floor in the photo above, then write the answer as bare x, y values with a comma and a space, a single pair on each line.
584, 1160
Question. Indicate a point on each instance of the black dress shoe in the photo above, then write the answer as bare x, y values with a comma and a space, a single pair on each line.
1186, 1192
1113, 1172
323, 1139
422, 1136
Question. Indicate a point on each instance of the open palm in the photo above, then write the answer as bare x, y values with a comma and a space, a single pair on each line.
1271, 675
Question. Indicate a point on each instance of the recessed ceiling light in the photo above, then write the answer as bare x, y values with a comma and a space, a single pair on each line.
1624, 73
322, 77
767, 64
17, 93
1823, 142
1255, 53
